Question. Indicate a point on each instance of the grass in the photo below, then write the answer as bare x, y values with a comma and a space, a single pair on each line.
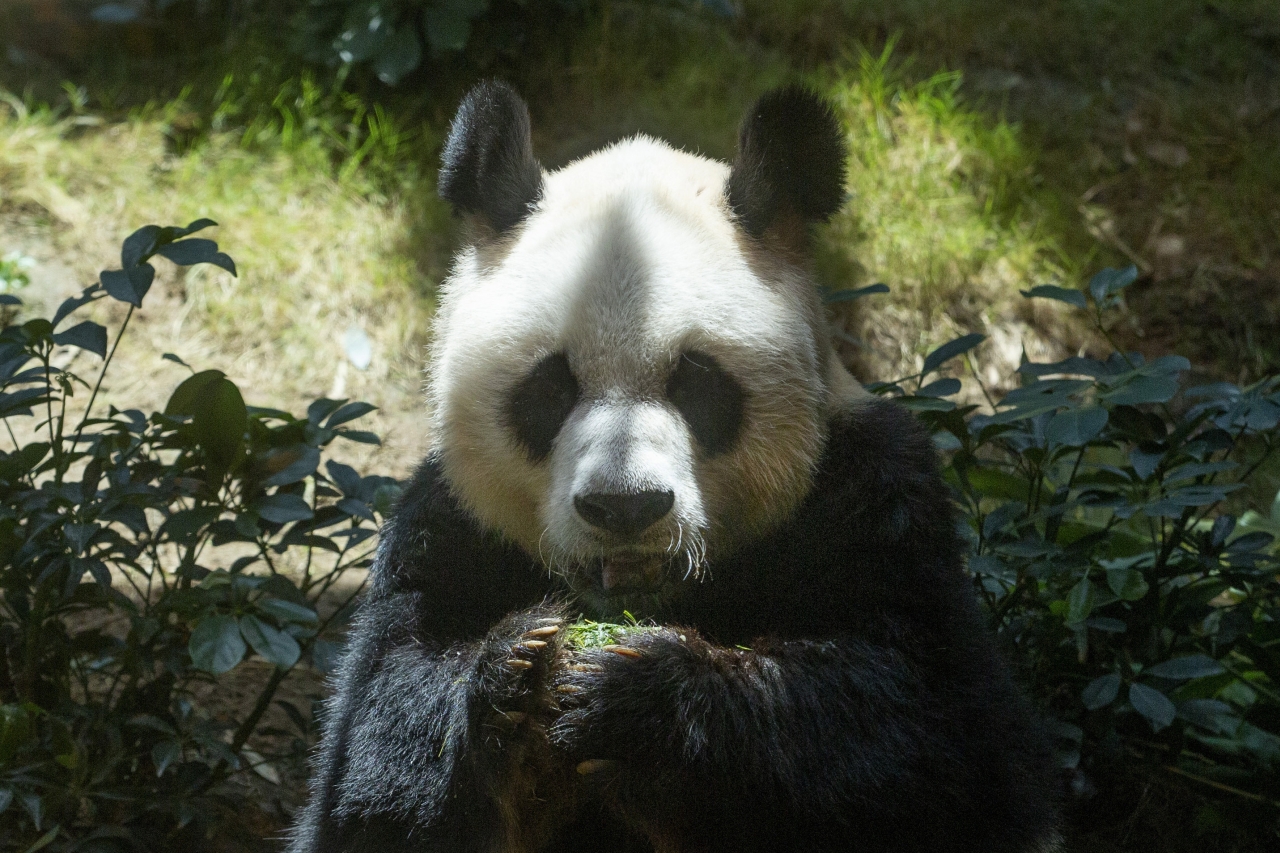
1152, 127
944, 208
320, 249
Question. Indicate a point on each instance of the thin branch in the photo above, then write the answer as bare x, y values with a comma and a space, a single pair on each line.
103, 372
1220, 786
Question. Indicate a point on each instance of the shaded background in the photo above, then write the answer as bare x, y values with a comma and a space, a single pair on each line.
996, 146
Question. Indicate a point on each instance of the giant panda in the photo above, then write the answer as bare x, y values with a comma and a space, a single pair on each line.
635, 407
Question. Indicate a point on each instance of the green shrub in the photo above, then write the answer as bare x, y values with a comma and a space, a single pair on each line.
1104, 502
142, 555
394, 37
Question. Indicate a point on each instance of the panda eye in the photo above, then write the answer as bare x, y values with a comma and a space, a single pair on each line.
540, 403
710, 400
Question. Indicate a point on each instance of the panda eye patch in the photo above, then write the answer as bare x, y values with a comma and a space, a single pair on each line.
540, 403
710, 400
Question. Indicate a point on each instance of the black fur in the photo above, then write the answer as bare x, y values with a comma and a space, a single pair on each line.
540, 402
791, 159
831, 687
710, 400
488, 168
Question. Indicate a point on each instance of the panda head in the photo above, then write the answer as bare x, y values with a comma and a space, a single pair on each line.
631, 373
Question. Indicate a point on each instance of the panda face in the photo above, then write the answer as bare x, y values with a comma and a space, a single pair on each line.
629, 377
626, 385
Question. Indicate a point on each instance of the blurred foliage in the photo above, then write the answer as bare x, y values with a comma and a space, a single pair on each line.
142, 556
1110, 544
394, 36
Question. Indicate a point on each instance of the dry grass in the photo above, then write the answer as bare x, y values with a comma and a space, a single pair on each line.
942, 209
316, 258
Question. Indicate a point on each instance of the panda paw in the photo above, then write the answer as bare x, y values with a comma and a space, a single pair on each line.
521, 656
615, 700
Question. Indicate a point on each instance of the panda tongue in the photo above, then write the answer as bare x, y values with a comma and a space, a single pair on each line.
624, 572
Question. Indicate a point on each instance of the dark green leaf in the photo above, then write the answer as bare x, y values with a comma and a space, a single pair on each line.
926, 404
318, 410
950, 350
1127, 584
138, 245
1110, 281
289, 611
447, 30
283, 508
78, 535
90, 294
1185, 668
940, 388
218, 417
272, 644
170, 234
1076, 427
1153, 705
360, 436
1222, 527
187, 252
1080, 602
1142, 389
129, 285
299, 461
165, 753
20, 402
37, 329
349, 412
9, 299
183, 526
223, 260
1061, 294
358, 508
345, 476
87, 335
176, 360
837, 296
216, 645
1166, 365
1101, 692
1212, 714
401, 54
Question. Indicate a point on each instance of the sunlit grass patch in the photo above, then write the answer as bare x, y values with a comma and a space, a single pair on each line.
321, 253
945, 209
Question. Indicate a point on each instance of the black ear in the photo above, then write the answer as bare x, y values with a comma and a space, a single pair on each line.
791, 158
488, 168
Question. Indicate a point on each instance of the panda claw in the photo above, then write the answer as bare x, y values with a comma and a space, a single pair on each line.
569, 689
519, 663
624, 651
533, 645
545, 631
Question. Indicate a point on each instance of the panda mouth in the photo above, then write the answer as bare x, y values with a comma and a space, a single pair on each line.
631, 572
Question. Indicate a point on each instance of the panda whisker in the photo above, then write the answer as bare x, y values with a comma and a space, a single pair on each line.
542, 557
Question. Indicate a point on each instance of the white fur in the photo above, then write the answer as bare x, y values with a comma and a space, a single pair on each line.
630, 260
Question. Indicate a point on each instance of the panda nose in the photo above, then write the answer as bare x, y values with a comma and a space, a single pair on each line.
626, 514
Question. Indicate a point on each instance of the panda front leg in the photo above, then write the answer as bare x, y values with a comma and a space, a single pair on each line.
796, 746
430, 748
